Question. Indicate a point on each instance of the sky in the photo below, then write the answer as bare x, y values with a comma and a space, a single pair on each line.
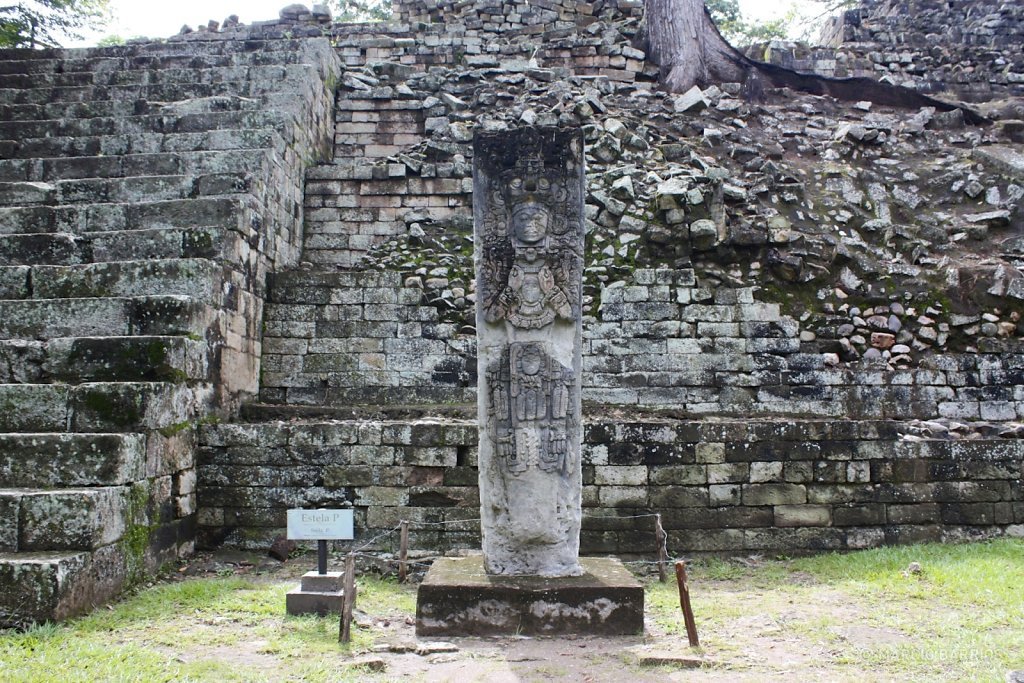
163, 19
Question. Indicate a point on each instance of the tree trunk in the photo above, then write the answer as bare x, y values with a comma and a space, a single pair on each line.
689, 50
687, 46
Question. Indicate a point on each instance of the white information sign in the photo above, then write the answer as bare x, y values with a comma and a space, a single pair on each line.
320, 525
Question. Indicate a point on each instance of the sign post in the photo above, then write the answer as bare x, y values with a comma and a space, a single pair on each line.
321, 592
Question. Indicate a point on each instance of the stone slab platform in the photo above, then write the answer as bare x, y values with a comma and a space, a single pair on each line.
319, 594
457, 598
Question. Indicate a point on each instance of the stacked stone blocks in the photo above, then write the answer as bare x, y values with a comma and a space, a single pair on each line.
720, 485
145, 192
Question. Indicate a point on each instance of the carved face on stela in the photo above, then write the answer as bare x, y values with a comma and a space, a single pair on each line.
531, 195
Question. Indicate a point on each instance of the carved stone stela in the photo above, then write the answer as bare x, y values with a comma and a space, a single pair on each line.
528, 213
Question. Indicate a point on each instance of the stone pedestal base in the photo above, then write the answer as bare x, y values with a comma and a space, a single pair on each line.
457, 598
317, 594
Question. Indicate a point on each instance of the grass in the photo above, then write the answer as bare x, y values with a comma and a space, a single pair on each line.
960, 617
212, 629
860, 616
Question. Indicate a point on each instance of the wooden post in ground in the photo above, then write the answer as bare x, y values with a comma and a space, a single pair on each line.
660, 539
348, 599
684, 602
403, 553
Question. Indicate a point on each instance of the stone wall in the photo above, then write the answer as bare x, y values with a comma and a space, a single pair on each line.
658, 341
701, 300
720, 485
757, 271
959, 47
146, 192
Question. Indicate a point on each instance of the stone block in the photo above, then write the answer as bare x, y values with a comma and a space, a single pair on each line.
48, 460
72, 519
761, 472
320, 594
725, 494
664, 497
802, 515
116, 406
678, 475
728, 473
33, 408
978, 514
710, 452
774, 494
125, 359
458, 599
620, 475
10, 515
859, 515
52, 585
198, 278
921, 513
14, 282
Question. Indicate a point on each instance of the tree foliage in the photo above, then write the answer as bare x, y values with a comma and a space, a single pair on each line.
738, 30
46, 23
361, 10
797, 20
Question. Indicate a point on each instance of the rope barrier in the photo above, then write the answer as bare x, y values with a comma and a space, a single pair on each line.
426, 561
376, 538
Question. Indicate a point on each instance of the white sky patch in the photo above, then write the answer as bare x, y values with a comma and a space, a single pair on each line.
133, 18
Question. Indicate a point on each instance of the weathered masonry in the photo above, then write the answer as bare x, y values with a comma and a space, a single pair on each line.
236, 277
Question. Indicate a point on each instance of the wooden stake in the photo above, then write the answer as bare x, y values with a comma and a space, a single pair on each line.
660, 540
348, 599
403, 553
684, 602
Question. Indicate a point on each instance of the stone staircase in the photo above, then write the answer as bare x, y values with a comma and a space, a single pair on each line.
145, 193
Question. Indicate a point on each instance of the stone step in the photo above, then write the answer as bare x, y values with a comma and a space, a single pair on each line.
48, 460
157, 92
149, 55
37, 520
47, 586
21, 251
76, 360
100, 108
149, 76
123, 190
106, 317
98, 406
224, 211
107, 64
168, 121
143, 143
200, 279
76, 110
131, 165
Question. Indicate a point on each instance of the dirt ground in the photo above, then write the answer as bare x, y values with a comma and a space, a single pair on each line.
750, 631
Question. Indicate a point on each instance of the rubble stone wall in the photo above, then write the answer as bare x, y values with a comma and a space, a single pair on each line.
659, 341
720, 485
704, 300
961, 47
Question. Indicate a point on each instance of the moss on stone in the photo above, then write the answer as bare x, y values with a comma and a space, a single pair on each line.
111, 411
